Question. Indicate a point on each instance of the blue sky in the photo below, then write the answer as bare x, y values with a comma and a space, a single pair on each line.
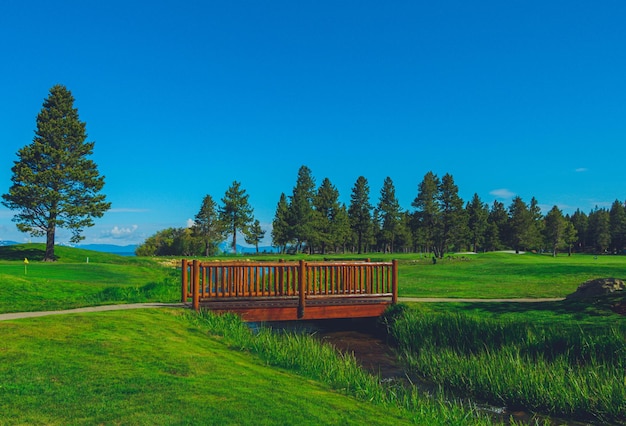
183, 97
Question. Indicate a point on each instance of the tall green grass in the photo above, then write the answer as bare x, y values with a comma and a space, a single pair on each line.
321, 362
571, 370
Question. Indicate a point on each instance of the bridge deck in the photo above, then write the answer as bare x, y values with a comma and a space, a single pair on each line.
255, 310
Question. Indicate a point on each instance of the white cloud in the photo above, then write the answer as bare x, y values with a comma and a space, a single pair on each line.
120, 233
502, 193
190, 223
581, 170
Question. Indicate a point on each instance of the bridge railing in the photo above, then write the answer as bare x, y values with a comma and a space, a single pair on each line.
208, 281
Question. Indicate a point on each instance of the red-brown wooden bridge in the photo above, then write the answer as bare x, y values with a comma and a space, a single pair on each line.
283, 291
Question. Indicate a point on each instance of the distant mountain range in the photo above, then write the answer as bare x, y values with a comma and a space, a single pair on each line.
129, 250
225, 247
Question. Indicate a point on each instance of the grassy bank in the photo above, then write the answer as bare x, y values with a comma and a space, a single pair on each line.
320, 362
73, 281
107, 368
540, 361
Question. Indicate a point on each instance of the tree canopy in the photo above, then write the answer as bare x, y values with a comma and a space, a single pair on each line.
55, 184
235, 212
360, 212
208, 227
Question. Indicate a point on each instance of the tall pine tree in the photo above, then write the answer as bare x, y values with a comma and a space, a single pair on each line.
599, 230
360, 212
389, 216
520, 225
453, 230
497, 226
280, 224
55, 184
236, 212
301, 218
617, 220
254, 234
207, 226
326, 203
477, 214
427, 215
554, 229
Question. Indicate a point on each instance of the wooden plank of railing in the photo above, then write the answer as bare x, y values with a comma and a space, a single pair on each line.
301, 289
394, 282
279, 277
184, 280
195, 285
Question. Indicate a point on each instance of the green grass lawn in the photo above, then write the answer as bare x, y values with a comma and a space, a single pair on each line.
106, 278
150, 367
485, 275
158, 367
504, 275
73, 282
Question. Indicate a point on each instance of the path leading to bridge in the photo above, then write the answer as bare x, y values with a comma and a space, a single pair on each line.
104, 308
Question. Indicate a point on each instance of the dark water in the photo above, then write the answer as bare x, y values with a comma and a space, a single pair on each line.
368, 343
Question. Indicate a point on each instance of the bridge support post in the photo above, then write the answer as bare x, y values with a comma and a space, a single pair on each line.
184, 279
394, 281
301, 289
195, 277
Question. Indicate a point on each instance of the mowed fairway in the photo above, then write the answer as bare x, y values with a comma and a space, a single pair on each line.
504, 275
73, 281
154, 367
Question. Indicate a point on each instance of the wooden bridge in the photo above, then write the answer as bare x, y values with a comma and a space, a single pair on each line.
281, 291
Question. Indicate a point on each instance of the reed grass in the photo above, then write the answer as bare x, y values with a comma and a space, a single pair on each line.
321, 362
563, 369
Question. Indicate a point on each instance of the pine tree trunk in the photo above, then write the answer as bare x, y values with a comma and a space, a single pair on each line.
49, 256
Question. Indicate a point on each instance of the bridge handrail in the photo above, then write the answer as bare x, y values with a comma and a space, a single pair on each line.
225, 280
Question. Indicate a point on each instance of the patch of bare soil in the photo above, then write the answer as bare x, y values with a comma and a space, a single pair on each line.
619, 308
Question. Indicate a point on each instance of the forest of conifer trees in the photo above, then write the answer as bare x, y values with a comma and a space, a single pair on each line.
312, 219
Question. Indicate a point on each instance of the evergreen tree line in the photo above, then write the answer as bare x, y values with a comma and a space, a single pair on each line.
313, 220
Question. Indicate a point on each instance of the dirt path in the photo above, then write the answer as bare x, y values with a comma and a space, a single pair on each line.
19, 315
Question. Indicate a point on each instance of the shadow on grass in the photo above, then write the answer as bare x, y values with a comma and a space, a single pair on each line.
579, 309
19, 252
